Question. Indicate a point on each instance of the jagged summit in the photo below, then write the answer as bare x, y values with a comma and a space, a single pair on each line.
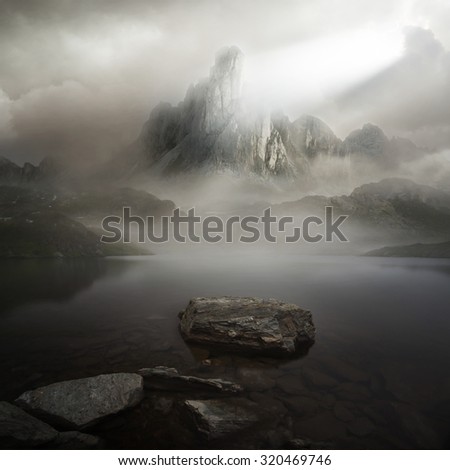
213, 131
224, 89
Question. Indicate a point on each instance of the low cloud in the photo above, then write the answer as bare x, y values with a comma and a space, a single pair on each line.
411, 98
79, 78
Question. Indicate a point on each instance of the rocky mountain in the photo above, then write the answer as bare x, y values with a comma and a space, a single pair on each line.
306, 137
370, 141
392, 209
212, 131
43, 223
402, 190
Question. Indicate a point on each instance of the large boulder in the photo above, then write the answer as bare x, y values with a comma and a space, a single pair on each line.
77, 404
20, 430
166, 378
247, 325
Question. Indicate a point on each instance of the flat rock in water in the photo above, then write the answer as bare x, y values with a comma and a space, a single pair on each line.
166, 378
215, 419
247, 324
76, 404
20, 430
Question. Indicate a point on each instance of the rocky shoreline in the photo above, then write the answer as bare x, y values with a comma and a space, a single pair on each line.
56, 415
224, 401
69, 414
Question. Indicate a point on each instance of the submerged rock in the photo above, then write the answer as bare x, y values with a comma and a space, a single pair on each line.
77, 404
74, 440
20, 430
247, 324
307, 444
165, 378
215, 419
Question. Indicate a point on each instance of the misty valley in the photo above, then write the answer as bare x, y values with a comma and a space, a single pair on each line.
112, 340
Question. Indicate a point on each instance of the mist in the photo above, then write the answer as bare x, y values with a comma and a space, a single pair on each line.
78, 80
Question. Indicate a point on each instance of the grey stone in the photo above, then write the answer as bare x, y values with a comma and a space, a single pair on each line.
247, 324
214, 419
165, 378
80, 403
19, 429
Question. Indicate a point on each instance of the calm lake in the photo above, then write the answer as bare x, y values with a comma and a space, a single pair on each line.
377, 376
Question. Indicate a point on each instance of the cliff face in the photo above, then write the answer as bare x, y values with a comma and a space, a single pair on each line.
210, 130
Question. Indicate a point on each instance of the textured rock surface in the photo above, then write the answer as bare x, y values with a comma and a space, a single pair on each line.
308, 137
19, 429
210, 131
213, 130
247, 324
215, 419
165, 378
81, 403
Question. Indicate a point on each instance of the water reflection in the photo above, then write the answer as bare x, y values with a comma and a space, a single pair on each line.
375, 377
33, 280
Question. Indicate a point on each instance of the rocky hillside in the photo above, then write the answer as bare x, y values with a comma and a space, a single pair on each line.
40, 223
391, 207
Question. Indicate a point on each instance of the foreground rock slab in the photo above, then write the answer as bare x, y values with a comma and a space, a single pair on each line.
165, 378
247, 325
20, 430
77, 404
215, 419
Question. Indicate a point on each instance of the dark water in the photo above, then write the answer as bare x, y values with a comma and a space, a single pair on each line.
377, 376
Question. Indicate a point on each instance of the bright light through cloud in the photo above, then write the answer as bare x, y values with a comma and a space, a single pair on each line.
308, 72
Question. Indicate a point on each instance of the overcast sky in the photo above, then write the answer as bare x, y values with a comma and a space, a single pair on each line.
78, 78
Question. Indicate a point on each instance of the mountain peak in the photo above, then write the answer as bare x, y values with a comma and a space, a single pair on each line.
227, 57
224, 88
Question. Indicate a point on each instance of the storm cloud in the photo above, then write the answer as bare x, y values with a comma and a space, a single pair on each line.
79, 78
